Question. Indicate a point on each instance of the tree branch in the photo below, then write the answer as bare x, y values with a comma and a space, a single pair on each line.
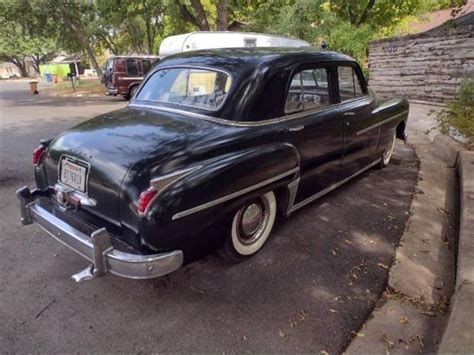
201, 15
366, 12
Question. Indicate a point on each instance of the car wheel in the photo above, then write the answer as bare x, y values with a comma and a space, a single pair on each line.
133, 91
387, 153
251, 227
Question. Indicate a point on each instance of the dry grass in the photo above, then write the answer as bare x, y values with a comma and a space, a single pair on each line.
83, 87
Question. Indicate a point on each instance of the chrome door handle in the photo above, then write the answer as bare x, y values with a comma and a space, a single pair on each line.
296, 129
349, 113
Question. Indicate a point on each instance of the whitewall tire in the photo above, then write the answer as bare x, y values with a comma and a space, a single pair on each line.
388, 152
251, 227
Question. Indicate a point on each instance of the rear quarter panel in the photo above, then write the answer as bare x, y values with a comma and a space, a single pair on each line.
198, 201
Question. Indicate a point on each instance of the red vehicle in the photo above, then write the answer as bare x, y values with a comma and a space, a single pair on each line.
123, 74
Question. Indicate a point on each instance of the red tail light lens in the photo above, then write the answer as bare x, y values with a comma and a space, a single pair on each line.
145, 199
38, 154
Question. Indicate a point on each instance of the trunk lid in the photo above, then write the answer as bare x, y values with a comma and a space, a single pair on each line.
111, 144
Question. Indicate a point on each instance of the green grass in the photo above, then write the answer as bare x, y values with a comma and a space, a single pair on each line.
459, 113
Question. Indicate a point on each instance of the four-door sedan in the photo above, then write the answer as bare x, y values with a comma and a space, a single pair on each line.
216, 140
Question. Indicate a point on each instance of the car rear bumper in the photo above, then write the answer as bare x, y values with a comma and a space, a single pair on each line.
112, 91
96, 247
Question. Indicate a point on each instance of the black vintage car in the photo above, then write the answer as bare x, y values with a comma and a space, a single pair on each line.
213, 146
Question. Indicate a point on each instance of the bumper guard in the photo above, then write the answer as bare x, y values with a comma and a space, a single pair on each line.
97, 247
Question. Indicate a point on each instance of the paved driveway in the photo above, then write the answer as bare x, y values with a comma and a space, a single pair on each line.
314, 283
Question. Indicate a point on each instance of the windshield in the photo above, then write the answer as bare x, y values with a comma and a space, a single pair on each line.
199, 88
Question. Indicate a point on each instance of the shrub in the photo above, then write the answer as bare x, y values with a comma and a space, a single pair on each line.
459, 113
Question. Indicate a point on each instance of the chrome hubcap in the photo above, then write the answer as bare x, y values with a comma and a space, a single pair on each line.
252, 221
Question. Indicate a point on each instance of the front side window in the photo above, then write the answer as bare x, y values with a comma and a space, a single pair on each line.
132, 67
349, 84
309, 90
199, 88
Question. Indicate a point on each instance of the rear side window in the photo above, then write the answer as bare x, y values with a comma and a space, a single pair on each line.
309, 90
146, 65
132, 67
349, 84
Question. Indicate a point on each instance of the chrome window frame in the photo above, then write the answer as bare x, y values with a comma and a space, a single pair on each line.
150, 75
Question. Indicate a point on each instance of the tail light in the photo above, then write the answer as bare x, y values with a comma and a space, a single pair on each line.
38, 154
145, 199
159, 184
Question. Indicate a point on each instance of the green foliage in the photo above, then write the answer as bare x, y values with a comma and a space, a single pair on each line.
24, 35
459, 113
37, 28
347, 26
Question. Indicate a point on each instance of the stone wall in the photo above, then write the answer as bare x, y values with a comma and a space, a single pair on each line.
427, 66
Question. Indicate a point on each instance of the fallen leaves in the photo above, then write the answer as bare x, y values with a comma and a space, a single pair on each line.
404, 320
358, 334
383, 266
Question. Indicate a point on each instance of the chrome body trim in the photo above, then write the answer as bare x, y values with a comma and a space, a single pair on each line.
97, 247
132, 78
330, 188
162, 182
232, 195
178, 174
230, 122
292, 189
378, 124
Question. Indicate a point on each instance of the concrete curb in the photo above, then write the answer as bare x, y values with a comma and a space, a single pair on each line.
448, 149
459, 334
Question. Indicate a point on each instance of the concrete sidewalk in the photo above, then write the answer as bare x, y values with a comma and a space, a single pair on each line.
412, 314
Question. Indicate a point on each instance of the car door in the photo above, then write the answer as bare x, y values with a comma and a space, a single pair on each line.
356, 106
314, 126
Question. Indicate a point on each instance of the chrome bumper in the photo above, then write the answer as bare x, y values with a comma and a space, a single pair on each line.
112, 91
97, 247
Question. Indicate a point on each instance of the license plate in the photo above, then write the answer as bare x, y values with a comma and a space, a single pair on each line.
73, 175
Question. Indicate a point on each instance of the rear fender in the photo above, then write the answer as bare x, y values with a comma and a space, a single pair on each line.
221, 184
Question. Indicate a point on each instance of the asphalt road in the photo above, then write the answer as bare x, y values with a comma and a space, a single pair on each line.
313, 284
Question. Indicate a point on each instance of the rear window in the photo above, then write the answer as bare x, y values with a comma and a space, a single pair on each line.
199, 88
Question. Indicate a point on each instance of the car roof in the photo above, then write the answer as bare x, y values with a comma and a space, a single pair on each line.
255, 56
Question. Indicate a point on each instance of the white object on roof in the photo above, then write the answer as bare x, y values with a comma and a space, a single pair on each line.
209, 40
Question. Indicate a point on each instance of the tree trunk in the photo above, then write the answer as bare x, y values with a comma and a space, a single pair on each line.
22, 66
149, 36
222, 15
35, 62
83, 39
201, 15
